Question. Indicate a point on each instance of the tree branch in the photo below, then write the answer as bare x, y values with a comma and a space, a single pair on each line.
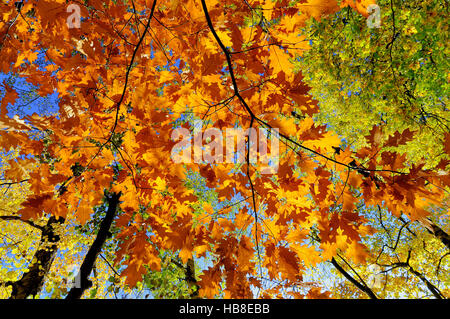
252, 115
29, 222
363, 288
434, 290
94, 250
190, 278
440, 234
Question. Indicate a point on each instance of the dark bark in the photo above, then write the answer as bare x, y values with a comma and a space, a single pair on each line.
83, 282
434, 290
29, 222
360, 286
433, 229
31, 282
190, 278
440, 234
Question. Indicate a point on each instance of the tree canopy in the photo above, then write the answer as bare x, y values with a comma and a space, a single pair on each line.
394, 76
224, 149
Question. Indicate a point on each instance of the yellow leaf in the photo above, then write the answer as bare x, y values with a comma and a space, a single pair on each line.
83, 212
165, 76
308, 255
185, 254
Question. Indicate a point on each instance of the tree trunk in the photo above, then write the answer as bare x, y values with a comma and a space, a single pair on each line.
82, 280
440, 234
32, 280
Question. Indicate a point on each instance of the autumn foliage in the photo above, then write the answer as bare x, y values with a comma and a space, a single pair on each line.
136, 70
